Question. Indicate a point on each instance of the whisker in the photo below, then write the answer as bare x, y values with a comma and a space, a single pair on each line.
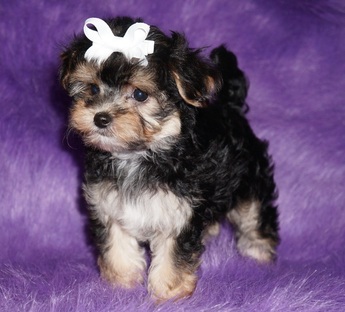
66, 137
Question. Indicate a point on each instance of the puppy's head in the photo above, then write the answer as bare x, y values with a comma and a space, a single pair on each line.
121, 106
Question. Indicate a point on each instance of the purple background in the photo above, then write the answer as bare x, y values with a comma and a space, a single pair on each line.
294, 55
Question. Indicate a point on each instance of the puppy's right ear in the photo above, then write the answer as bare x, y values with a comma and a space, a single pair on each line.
72, 56
68, 64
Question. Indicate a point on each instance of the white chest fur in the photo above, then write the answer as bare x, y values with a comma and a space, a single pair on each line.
143, 217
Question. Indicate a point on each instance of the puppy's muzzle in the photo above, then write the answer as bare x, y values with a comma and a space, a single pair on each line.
102, 120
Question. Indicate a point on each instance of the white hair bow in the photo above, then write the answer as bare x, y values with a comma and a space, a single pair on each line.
104, 43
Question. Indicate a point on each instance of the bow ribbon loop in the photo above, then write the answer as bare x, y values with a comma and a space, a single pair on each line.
133, 44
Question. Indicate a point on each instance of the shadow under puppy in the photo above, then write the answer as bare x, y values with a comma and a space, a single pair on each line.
169, 153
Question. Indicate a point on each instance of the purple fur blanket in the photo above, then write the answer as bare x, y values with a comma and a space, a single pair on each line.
294, 55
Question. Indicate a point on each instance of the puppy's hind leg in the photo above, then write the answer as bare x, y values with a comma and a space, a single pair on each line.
255, 229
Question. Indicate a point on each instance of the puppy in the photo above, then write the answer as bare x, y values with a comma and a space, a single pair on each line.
169, 153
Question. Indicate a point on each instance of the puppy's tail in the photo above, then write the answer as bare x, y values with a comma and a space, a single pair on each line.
235, 85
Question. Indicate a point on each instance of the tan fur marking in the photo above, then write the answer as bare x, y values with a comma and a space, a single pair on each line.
210, 85
245, 218
213, 229
81, 118
144, 81
86, 72
171, 127
166, 280
127, 127
180, 89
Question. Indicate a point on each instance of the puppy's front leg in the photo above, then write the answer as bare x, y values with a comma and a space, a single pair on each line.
172, 274
122, 262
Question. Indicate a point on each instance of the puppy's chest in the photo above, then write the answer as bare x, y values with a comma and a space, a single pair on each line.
144, 215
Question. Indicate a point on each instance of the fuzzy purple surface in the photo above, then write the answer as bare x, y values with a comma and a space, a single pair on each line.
294, 55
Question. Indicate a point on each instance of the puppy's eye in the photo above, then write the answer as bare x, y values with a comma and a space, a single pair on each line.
94, 89
140, 96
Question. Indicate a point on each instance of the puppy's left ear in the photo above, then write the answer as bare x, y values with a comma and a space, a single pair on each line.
196, 78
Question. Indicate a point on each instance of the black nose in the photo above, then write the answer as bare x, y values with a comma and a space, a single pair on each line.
102, 120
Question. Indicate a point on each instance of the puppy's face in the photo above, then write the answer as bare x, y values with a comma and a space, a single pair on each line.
121, 106
118, 107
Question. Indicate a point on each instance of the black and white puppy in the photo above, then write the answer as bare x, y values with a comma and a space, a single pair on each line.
169, 153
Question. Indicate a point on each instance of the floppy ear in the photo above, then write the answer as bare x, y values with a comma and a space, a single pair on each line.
196, 79
71, 57
68, 61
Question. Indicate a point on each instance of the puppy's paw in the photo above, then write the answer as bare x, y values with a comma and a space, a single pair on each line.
172, 286
126, 277
262, 250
